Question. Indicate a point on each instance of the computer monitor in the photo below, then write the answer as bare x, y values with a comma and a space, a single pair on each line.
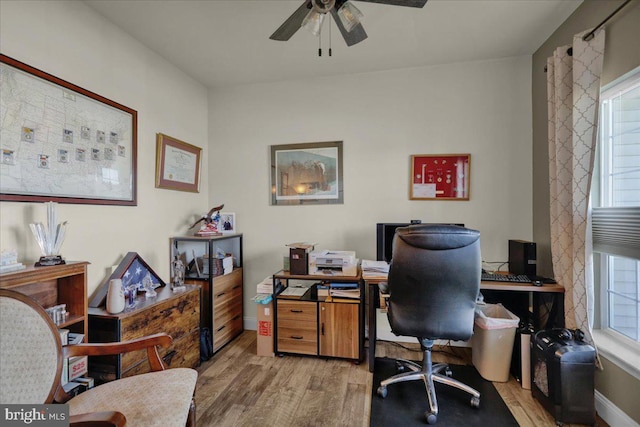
384, 237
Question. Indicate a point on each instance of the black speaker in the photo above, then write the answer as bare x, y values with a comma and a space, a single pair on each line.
522, 257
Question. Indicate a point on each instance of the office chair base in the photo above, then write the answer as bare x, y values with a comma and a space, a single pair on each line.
428, 374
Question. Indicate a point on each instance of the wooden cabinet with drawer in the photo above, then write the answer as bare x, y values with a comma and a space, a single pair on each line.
306, 323
227, 308
221, 284
298, 327
175, 313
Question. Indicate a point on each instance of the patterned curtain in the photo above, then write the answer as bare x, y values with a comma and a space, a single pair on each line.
573, 89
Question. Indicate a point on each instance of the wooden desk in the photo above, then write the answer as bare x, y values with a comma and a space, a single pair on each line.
546, 289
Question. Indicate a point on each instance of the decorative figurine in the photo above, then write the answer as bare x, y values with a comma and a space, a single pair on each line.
177, 269
147, 284
210, 225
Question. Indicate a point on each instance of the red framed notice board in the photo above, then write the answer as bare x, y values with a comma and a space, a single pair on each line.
440, 177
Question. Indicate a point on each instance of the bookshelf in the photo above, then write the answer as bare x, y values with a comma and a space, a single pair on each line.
54, 285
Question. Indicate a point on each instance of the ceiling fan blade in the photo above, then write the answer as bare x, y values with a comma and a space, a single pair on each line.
292, 24
356, 35
408, 3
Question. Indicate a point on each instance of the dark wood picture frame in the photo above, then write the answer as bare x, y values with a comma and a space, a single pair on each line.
177, 164
37, 152
307, 173
440, 177
127, 268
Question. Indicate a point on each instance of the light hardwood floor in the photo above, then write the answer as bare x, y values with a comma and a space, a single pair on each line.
238, 388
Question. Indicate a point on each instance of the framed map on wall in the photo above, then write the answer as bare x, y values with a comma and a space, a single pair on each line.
60, 142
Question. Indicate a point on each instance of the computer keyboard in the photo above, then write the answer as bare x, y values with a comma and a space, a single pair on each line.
515, 278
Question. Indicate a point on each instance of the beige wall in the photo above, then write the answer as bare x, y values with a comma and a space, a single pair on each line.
70, 41
622, 54
481, 108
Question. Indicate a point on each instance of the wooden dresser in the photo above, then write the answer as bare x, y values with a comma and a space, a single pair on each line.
221, 303
176, 313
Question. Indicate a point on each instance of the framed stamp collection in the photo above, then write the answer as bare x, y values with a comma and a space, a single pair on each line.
60, 142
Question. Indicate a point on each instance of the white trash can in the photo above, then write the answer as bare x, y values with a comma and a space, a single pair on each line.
494, 332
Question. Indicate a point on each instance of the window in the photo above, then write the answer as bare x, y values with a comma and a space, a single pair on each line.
616, 200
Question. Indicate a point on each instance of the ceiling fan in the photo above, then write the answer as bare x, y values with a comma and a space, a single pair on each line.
347, 17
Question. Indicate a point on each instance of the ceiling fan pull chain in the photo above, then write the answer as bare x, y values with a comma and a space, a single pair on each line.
329, 34
320, 39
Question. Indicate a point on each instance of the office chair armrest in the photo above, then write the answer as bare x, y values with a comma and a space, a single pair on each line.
98, 419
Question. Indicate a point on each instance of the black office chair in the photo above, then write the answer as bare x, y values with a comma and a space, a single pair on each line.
434, 280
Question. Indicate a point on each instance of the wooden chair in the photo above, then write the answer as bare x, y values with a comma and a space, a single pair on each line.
31, 357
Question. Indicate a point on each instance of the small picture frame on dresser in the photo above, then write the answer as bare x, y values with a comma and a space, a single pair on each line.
227, 222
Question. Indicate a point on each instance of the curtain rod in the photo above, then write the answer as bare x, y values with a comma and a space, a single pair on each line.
591, 33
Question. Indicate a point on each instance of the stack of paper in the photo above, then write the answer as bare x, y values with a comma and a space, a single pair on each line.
266, 286
9, 261
344, 290
294, 291
374, 269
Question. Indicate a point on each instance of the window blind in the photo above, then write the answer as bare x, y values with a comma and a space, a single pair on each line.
616, 231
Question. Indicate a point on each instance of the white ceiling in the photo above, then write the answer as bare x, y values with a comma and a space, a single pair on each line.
223, 43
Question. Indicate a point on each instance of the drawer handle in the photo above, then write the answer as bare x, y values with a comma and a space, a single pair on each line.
322, 329
220, 294
221, 328
296, 311
169, 357
296, 337
236, 318
236, 286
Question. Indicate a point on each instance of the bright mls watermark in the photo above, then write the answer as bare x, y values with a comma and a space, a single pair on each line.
34, 415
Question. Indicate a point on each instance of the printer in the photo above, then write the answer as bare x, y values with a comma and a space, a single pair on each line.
333, 263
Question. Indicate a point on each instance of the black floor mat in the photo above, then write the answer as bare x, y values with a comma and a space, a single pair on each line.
406, 403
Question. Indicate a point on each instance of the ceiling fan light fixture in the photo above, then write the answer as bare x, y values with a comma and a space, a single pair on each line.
349, 15
313, 22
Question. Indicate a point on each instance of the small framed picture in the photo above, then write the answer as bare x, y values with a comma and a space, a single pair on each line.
227, 222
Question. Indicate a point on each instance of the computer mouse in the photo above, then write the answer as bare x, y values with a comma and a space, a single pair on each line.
537, 283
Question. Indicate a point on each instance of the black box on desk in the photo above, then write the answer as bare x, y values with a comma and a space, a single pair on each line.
562, 376
299, 258
522, 257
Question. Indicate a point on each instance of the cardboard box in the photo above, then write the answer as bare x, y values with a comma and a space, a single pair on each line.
78, 366
265, 329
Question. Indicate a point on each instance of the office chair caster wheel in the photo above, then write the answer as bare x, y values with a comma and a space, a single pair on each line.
431, 417
382, 392
400, 368
448, 372
475, 402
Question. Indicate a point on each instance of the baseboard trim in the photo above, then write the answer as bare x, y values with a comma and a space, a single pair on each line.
611, 414
250, 323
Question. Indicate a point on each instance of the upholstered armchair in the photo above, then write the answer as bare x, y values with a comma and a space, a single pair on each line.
31, 357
